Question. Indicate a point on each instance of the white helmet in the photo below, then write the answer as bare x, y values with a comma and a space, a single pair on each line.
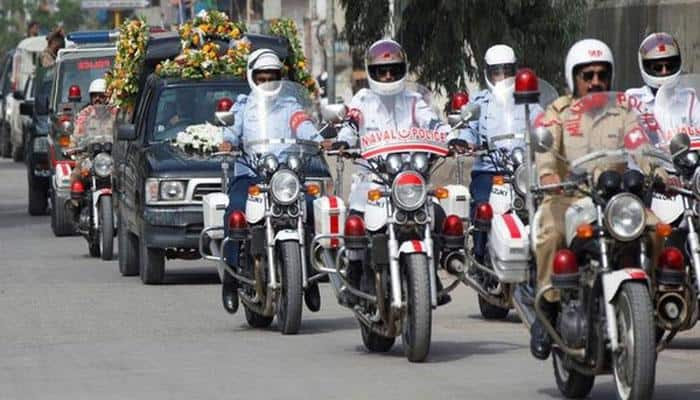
382, 57
98, 86
587, 51
263, 60
499, 59
659, 47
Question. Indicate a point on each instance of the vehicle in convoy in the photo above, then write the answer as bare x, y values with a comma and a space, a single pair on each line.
6, 90
36, 150
159, 188
76, 67
25, 60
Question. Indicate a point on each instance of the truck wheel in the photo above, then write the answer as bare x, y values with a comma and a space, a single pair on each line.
489, 311
106, 228
256, 320
61, 220
38, 202
417, 322
128, 249
5, 143
18, 154
152, 262
289, 307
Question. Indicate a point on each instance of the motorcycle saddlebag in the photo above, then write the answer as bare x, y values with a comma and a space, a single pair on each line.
508, 248
214, 206
329, 218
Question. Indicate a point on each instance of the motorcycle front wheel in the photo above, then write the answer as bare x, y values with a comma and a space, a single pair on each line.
417, 321
634, 367
290, 303
106, 228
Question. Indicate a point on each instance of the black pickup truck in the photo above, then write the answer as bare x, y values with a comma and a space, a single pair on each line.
159, 190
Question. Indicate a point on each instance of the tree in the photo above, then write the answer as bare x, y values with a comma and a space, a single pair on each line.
445, 40
365, 22
70, 14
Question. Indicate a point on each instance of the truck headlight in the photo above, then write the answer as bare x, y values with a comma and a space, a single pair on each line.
103, 165
172, 191
285, 187
625, 217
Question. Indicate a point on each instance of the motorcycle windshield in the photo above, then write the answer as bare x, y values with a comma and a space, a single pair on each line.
506, 121
278, 120
406, 123
99, 126
676, 110
613, 136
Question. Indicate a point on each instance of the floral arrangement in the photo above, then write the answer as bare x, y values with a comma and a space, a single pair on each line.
122, 80
202, 139
210, 25
296, 61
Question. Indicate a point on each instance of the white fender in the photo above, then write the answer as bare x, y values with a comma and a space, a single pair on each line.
501, 198
613, 280
97, 194
286, 234
667, 209
255, 208
62, 175
413, 246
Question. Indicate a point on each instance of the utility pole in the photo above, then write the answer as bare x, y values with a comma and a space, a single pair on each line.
330, 47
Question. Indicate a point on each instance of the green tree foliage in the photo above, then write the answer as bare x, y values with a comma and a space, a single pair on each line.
445, 40
70, 14
365, 22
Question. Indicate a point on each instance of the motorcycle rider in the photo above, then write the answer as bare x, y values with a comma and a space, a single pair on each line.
499, 75
284, 112
589, 68
387, 101
98, 97
660, 63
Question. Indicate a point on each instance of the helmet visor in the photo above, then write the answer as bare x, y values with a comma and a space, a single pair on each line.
662, 66
387, 72
499, 72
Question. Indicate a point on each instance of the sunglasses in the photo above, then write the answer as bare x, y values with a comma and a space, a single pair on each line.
663, 66
392, 70
603, 75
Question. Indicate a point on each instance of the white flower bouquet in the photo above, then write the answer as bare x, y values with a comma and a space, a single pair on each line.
199, 140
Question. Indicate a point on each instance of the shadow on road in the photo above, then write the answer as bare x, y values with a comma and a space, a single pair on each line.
192, 276
512, 318
317, 326
607, 390
448, 351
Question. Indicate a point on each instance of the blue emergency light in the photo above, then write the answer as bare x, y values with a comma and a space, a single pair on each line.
91, 37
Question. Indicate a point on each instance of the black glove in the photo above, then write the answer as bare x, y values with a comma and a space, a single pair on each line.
340, 146
458, 145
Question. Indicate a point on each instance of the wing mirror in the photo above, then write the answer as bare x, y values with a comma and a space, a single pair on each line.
333, 113
26, 108
680, 144
18, 95
126, 132
470, 112
328, 132
225, 118
542, 139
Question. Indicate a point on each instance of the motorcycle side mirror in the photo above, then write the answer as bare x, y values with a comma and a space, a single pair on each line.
470, 112
543, 140
225, 118
454, 120
333, 112
126, 132
328, 132
680, 144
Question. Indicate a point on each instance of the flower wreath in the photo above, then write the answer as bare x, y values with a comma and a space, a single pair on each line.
122, 79
296, 62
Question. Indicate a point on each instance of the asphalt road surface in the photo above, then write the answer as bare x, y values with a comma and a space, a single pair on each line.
72, 328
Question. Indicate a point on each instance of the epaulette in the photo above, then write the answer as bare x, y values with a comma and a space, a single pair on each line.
561, 103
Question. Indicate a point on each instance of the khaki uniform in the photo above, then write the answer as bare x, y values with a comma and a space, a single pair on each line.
576, 133
48, 59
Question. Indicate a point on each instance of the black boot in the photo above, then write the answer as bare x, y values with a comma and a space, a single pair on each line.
229, 296
540, 341
444, 298
312, 297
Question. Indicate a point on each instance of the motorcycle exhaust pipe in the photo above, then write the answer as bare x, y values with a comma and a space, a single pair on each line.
672, 310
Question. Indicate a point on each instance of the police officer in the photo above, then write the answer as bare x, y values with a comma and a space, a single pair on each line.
589, 68
282, 114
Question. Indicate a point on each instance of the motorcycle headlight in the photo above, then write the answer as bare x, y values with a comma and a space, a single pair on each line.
172, 191
394, 164
294, 163
625, 217
285, 187
103, 164
270, 163
419, 162
409, 191
520, 180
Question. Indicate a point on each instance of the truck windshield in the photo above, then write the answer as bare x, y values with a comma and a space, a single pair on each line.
180, 107
82, 72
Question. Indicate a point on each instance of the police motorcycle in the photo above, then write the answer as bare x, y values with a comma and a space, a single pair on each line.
91, 192
272, 275
676, 288
386, 259
605, 322
504, 218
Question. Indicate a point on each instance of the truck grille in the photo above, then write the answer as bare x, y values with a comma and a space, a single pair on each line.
203, 189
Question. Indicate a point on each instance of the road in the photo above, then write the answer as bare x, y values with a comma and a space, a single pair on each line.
72, 328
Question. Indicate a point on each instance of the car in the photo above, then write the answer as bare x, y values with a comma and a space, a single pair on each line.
76, 67
6, 90
24, 63
36, 132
